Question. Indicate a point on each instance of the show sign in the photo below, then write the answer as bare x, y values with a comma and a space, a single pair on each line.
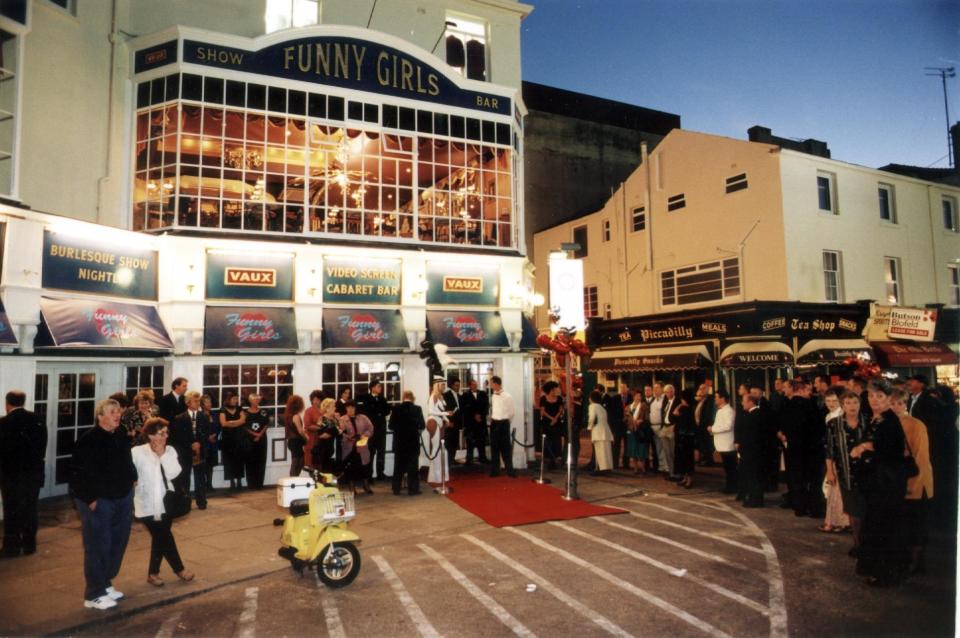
260, 277
96, 323
467, 329
349, 63
894, 322
363, 329
238, 328
352, 281
83, 265
450, 284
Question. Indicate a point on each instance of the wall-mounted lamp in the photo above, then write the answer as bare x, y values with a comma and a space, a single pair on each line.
419, 287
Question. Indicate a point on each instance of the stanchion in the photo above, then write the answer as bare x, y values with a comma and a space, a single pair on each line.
543, 456
571, 493
444, 488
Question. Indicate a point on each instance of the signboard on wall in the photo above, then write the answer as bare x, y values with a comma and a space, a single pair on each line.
460, 329
84, 265
239, 328
363, 329
453, 284
95, 323
250, 276
897, 322
566, 292
352, 281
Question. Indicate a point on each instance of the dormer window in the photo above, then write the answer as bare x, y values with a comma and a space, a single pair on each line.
288, 14
466, 41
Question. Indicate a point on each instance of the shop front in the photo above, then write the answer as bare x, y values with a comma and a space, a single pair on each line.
917, 341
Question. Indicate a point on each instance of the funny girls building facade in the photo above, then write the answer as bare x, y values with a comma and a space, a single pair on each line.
282, 212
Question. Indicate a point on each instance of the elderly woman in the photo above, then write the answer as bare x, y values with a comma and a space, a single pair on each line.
844, 434
600, 434
919, 487
157, 465
356, 432
136, 415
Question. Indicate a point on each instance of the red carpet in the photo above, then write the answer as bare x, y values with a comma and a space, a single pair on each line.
503, 501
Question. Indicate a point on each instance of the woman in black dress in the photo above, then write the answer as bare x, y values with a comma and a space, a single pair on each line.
232, 445
551, 423
346, 396
686, 433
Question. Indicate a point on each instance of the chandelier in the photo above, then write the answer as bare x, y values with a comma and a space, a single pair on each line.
245, 160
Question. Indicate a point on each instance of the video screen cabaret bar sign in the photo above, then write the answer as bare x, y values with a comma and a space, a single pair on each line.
83, 265
452, 284
350, 63
350, 281
250, 276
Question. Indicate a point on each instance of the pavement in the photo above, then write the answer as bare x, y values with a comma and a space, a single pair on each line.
232, 546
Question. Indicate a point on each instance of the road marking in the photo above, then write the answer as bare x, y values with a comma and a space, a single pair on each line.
673, 571
663, 539
714, 505
409, 604
692, 530
493, 606
642, 594
777, 597
330, 612
246, 627
608, 625
676, 511
168, 626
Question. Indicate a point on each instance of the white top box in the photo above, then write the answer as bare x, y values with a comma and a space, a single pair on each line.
293, 488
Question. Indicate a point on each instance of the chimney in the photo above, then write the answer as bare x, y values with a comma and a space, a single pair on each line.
955, 146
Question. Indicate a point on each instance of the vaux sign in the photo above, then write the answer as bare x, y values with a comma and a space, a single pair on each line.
250, 276
456, 284
336, 60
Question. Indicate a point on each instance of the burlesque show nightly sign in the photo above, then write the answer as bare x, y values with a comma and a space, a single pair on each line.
363, 329
352, 281
78, 323
84, 265
235, 328
251, 276
467, 329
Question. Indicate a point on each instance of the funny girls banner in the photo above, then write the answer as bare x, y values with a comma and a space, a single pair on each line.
237, 328
96, 323
363, 329
460, 329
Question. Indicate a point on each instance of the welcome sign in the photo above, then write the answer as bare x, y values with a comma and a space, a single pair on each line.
239, 276
84, 265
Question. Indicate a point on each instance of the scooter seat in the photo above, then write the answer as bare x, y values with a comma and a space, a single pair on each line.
299, 507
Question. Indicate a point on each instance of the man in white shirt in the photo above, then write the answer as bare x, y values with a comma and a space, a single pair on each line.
722, 431
501, 412
670, 403
656, 424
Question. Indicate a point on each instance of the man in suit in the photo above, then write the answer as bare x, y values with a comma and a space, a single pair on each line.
475, 405
451, 397
406, 423
23, 450
173, 403
669, 404
748, 439
613, 404
188, 434
374, 406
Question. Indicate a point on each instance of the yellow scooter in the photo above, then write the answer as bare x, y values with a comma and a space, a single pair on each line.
315, 533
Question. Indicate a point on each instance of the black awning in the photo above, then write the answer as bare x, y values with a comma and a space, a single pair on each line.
690, 357
467, 329
92, 323
757, 354
240, 328
363, 329
7, 336
832, 351
528, 338
913, 354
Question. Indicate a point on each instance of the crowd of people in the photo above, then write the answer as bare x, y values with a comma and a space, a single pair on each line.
862, 456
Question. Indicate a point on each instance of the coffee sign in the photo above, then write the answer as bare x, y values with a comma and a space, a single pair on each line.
250, 276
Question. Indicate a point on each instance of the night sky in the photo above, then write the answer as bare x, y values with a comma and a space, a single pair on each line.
848, 72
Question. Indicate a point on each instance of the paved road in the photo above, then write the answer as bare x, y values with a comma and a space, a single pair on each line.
671, 565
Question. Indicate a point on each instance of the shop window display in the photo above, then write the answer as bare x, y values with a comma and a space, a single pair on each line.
272, 381
356, 376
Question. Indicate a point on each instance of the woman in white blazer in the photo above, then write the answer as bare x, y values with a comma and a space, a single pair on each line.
600, 434
154, 460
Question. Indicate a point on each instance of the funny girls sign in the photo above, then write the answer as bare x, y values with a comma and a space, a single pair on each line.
363, 329
235, 328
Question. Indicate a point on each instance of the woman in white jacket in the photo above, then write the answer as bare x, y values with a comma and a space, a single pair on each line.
600, 434
153, 460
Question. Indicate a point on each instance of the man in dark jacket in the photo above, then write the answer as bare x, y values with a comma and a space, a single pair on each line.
613, 403
102, 481
188, 435
23, 450
173, 404
375, 407
451, 398
475, 405
406, 423
748, 439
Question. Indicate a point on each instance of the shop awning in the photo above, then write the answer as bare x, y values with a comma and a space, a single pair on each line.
244, 328
363, 329
92, 323
829, 351
528, 338
467, 329
910, 354
7, 336
756, 354
675, 358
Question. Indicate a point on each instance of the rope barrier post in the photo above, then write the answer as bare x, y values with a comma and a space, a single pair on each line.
444, 488
543, 456
571, 493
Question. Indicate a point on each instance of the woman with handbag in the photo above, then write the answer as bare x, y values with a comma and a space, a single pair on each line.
157, 465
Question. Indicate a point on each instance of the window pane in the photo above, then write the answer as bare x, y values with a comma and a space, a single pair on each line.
823, 192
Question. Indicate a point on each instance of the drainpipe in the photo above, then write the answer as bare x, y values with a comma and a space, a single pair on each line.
933, 245
648, 204
626, 253
112, 38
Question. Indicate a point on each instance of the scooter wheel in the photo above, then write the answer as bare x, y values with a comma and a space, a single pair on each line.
338, 567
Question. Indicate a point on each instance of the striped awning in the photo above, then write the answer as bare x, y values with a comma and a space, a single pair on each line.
757, 354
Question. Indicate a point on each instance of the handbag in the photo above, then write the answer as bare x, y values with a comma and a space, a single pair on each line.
910, 467
175, 503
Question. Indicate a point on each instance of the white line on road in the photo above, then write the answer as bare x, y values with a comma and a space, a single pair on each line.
409, 604
663, 539
712, 504
692, 530
246, 627
169, 625
673, 571
546, 585
642, 594
493, 606
330, 612
676, 511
